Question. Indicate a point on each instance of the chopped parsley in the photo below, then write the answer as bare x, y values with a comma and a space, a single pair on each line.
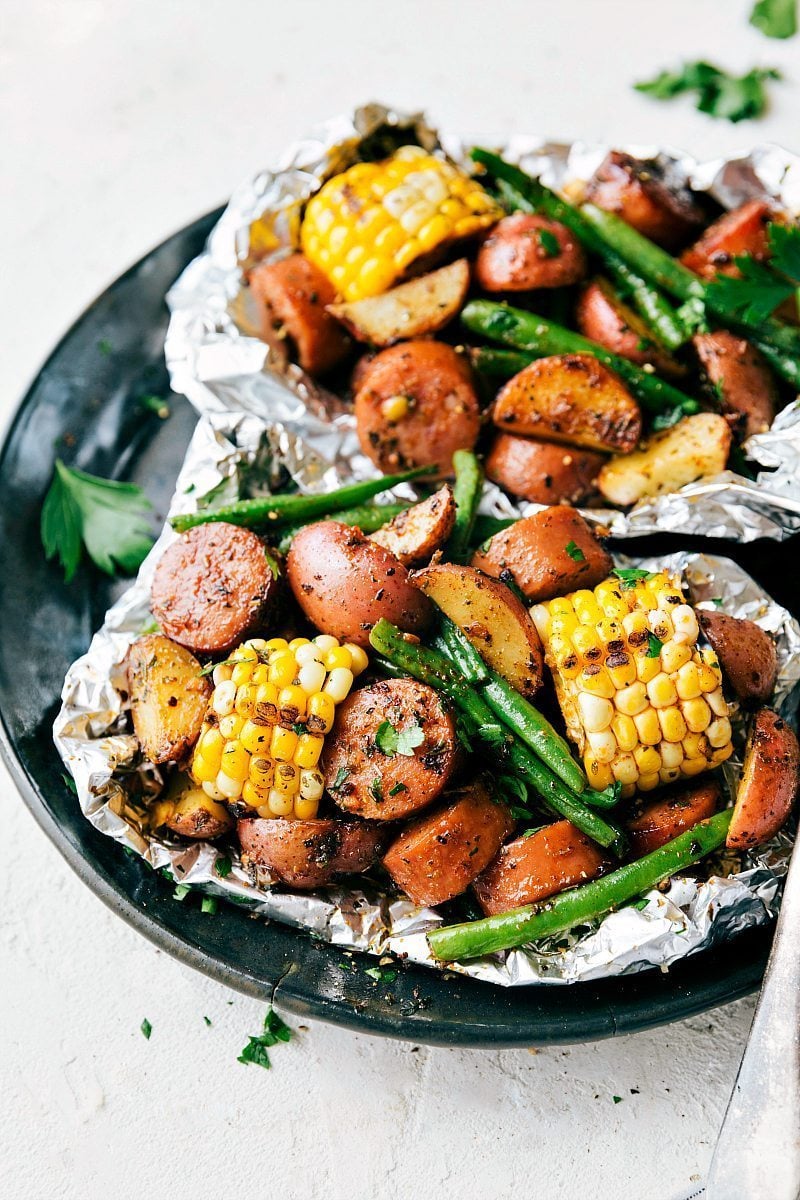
146, 1028
761, 287
105, 347
208, 1020
775, 18
391, 741
654, 646
397, 789
492, 735
630, 576
617, 1099
376, 790
718, 93
381, 974
224, 867
341, 776
575, 552
510, 786
70, 783
209, 905
181, 891
155, 404
275, 1030
549, 243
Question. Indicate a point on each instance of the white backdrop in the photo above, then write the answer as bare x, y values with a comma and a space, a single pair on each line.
119, 122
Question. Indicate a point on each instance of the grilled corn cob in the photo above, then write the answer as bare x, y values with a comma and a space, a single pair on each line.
642, 701
272, 704
365, 227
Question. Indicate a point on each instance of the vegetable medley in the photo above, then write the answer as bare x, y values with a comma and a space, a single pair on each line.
484, 711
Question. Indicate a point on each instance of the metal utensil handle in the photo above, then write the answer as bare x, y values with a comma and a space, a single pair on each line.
757, 1156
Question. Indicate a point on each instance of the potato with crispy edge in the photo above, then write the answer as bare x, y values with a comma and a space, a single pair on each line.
185, 809
570, 398
746, 386
602, 316
168, 697
418, 532
307, 854
769, 784
546, 555
660, 820
493, 618
542, 472
647, 195
538, 865
423, 305
695, 448
746, 654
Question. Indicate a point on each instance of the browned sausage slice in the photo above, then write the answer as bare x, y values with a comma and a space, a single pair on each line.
367, 781
549, 554
523, 252
642, 192
769, 784
661, 820
294, 293
438, 855
739, 372
212, 587
308, 854
542, 472
741, 231
531, 868
746, 653
415, 406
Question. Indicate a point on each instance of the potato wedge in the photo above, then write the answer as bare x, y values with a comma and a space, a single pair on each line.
659, 821
746, 654
493, 618
414, 535
168, 697
697, 447
570, 398
769, 784
533, 867
185, 809
421, 306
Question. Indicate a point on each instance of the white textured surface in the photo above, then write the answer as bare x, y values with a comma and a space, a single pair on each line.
118, 123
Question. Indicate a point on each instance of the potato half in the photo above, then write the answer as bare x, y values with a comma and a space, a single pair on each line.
168, 697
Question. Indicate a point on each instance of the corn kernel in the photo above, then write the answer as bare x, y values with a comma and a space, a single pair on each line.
668, 598
587, 644
308, 653
598, 774
311, 677
305, 810
221, 673
597, 683
257, 644
636, 629
251, 795
276, 644
230, 788
648, 782
321, 710
621, 669
246, 653
672, 723
587, 611
212, 791
260, 674
223, 697
325, 642
669, 774
719, 733
695, 745
603, 746
624, 731
632, 700
231, 726
203, 770
255, 738
241, 673
339, 683
614, 607
647, 759
675, 655
246, 700
687, 683
340, 657
283, 745
395, 409
235, 761
563, 626
661, 691
624, 769
717, 702
647, 668
596, 712
282, 668
262, 772
708, 677
280, 803
648, 727
565, 657
309, 748
359, 660
696, 714
211, 745
660, 623
723, 753
671, 754
685, 623
292, 704
287, 777
312, 784
693, 766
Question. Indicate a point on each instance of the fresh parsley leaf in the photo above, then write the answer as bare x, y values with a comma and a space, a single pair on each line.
653, 646
70, 783
549, 243
106, 517
575, 552
716, 601
341, 776
617, 1099
208, 1020
775, 18
273, 564
391, 741
397, 789
667, 418
784, 246
755, 293
492, 735
510, 786
155, 404
720, 94
209, 905
224, 867
630, 576
533, 829
181, 891
146, 1028
381, 974
376, 790
105, 347
275, 1030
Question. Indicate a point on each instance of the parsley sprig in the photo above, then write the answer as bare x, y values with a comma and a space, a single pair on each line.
761, 287
719, 93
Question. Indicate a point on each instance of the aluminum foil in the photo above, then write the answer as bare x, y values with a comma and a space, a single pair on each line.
93, 735
216, 358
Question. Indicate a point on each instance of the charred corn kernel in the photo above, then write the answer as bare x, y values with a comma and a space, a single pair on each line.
203, 770
596, 713
673, 726
598, 774
621, 669
211, 790
669, 774
235, 761
695, 745
221, 673
636, 629
282, 669
624, 769
685, 623
325, 642
647, 727
632, 700
647, 759
696, 714
223, 698
321, 708
283, 744
307, 654
587, 643
312, 784
339, 657
719, 733
602, 746
367, 225
661, 690
660, 624
567, 661
647, 667
675, 655
287, 777
307, 751
252, 796
277, 643
646, 783
292, 704
339, 683
280, 803
625, 732
359, 660
254, 737
245, 703
667, 598
395, 409
596, 681
311, 677
242, 673
671, 754
687, 682
717, 702
231, 726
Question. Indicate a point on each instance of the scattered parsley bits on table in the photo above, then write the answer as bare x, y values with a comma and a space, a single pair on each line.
775, 18
275, 1030
146, 1028
719, 94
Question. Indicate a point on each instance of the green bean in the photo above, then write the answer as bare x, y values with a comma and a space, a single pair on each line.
467, 490
499, 364
366, 517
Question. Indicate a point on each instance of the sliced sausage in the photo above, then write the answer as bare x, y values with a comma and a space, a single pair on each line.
604, 318
212, 587
542, 472
523, 252
546, 555
646, 196
344, 583
362, 772
741, 231
437, 856
746, 654
415, 406
307, 854
769, 784
531, 868
744, 383
294, 294
661, 820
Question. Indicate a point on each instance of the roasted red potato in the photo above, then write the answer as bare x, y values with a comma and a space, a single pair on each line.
423, 305
696, 448
308, 854
746, 654
546, 555
658, 821
168, 697
437, 856
643, 194
344, 583
741, 231
414, 535
495, 620
213, 587
185, 809
769, 784
524, 252
604, 318
741, 377
542, 472
570, 398
293, 294
538, 865
415, 406
368, 772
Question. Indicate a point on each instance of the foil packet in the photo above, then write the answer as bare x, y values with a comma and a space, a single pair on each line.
94, 738
216, 358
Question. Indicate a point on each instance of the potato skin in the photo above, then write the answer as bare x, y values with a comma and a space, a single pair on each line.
604, 318
746, 386
366, 782
542, 472
746, 653
308, 854
639, 191
741, 231
294, 293
698, 446
414, 535
769, 784
344, 583
185, 809
570, 398
534, 552
659, 821
530, 869
442, 414
168, 697
420, 306
512, 257
437, 856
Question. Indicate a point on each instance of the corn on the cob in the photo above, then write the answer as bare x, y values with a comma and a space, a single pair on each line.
365, 227
272, 704
642, 702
